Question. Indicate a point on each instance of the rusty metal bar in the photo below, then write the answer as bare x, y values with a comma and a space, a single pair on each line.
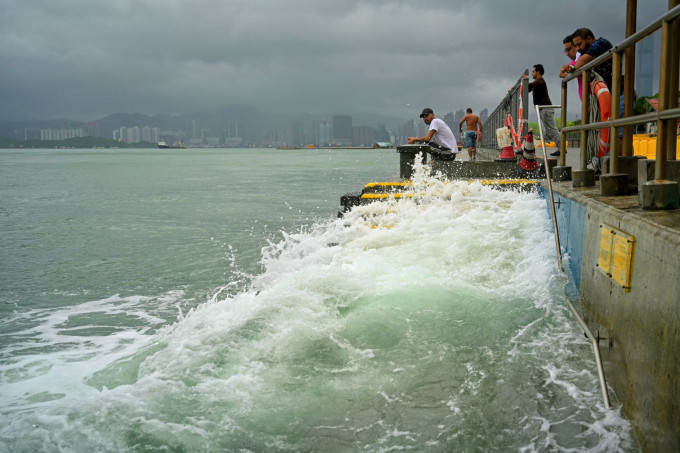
584, 118
563, 136
674, 76
613, 131
664, 101
584, 326
629, 80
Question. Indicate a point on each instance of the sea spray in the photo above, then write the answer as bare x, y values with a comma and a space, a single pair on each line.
435, 322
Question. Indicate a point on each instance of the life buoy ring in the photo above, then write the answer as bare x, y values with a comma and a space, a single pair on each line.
604, 99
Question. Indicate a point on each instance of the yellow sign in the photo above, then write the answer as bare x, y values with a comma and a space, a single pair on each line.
623, 259
604, 261
615, 259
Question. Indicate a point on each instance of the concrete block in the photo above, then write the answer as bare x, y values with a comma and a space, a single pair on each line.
645, 173
627, 165
407, 157
614, 184
583, 178
560, 173
659, 194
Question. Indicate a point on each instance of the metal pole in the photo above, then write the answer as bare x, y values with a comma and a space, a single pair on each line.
664, 99
584, 326
674, 75
563, 136
629, 80
596, 350
547, 176
616, 113
584, 117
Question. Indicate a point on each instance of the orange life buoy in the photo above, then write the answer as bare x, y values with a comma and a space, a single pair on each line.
604, 99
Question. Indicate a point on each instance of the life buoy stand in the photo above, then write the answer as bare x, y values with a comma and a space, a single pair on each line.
604, 100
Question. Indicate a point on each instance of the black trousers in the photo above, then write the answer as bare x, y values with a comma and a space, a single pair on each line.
440, 153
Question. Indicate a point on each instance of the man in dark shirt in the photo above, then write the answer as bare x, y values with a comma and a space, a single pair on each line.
591, 48
540, 91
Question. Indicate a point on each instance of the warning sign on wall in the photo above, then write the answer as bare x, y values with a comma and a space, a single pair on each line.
615, 258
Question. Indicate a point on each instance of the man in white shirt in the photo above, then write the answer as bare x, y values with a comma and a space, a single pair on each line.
439, 137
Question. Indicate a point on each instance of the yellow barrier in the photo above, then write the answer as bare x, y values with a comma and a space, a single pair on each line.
645, 145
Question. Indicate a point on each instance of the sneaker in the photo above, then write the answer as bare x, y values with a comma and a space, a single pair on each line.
556, 153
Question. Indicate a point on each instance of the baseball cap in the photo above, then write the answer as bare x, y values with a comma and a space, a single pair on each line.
426, 112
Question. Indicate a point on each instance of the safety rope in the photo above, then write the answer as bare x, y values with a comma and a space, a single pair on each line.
594, 115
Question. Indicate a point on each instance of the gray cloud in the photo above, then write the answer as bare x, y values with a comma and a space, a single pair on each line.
88, 58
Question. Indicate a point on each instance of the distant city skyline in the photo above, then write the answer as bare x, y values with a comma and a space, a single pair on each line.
215, 131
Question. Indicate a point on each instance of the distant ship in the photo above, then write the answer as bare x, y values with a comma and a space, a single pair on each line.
164, 145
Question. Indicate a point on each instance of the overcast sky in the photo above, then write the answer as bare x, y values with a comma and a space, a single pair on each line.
84, 59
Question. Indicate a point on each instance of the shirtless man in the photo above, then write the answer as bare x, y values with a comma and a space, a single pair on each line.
472, 124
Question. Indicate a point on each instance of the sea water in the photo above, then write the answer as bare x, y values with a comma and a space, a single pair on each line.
212, 300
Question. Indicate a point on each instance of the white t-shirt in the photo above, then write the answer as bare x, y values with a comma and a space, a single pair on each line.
443, 135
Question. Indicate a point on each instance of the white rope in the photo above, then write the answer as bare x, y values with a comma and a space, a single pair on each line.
593, 136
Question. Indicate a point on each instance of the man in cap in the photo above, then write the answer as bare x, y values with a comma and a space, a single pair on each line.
439, 137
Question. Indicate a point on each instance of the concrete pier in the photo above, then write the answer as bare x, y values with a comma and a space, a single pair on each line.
638, 316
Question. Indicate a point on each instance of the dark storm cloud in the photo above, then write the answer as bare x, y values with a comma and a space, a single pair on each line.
86, 58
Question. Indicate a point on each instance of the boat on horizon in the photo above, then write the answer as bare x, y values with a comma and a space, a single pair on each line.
164, 145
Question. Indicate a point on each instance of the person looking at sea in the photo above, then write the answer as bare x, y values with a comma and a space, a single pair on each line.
571, 51
439, 137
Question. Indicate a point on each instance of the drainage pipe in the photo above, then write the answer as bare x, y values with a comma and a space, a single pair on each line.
584, 326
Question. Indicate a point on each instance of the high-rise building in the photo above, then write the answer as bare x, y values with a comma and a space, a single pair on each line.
341, 129
483, 115
324, 133
460, 113
383, 135
644, 67
363, 136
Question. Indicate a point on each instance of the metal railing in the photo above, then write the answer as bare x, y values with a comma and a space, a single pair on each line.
516, 103
584, 326
668, 112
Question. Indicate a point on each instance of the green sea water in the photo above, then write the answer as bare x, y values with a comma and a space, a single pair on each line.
211, 300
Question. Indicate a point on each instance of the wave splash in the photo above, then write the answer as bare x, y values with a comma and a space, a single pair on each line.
424, 323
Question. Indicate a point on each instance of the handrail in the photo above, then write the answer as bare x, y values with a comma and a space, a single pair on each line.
637, 119
668, 109
589, 334
626, 43
516, 99
549, 179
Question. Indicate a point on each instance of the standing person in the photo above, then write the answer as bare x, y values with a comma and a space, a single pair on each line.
439, 137
540, 90
571, 51
472, 124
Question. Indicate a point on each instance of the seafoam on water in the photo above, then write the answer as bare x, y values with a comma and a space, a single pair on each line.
434, 323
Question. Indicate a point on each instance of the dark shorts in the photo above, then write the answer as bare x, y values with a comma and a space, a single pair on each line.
439, 153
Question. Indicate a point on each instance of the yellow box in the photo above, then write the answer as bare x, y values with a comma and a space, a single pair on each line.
622, 260
615, 258
604, 261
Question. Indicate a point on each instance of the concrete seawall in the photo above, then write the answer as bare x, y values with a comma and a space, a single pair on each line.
639, 325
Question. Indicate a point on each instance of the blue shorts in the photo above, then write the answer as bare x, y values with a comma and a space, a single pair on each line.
470, 139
